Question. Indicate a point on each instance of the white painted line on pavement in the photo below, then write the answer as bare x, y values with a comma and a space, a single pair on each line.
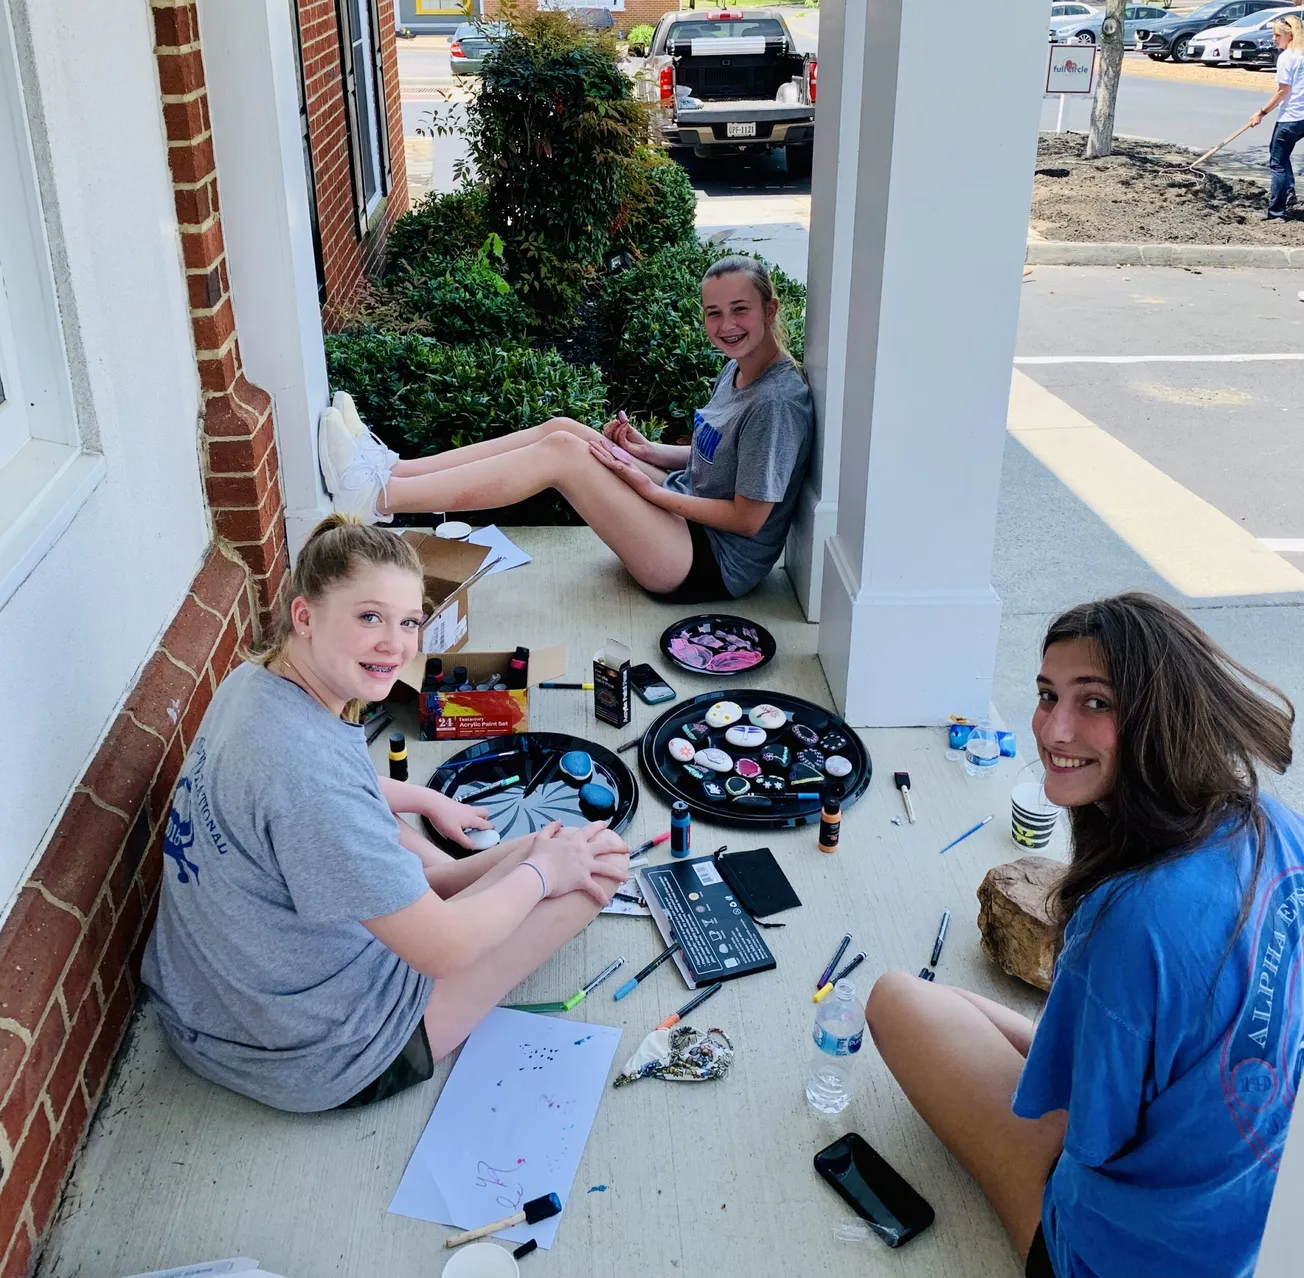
1284, 545
1154, 359
1182, 537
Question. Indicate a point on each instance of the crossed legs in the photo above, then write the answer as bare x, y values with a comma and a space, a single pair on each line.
653, 544
958, 1057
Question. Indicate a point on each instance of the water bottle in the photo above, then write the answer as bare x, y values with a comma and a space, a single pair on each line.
839, 1032
982, 751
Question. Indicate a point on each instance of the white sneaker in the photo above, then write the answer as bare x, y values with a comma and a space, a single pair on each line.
343, 404
356, 472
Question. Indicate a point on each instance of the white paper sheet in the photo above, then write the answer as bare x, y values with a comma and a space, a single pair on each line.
511, 555
510, 1124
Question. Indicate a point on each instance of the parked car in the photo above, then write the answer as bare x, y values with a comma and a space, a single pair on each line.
726, 83
1067, 11
471, 44
1256, 49
1171, 38
1087, 30
1214, 46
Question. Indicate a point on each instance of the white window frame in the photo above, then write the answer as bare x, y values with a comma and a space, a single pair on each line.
45, 473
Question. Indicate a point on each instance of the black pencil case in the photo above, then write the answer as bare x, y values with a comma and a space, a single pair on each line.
758, 881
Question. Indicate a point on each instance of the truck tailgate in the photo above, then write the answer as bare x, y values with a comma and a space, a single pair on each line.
762, 111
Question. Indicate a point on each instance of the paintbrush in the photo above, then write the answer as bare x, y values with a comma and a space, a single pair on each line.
902, 780
544, 1207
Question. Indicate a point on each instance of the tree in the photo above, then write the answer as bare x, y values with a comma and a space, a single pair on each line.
1100, 139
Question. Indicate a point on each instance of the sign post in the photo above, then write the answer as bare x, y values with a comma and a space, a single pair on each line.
1070, 72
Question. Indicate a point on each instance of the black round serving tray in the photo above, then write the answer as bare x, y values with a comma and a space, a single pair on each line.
755, 636
668, 776
555, 799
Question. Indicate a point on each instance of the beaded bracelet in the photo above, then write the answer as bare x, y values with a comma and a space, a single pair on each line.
542, 877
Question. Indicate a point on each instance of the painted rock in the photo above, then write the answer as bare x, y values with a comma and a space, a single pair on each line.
748, 768
811, 759
734, 787
769, 785
723, 713
694, 731
596, 801
745, 736
482, 839
836, 766
804, 737
769, 717
714, 791
776, 756
833, 742
681, 750
576, 766
801, 777
698, 774
716, 760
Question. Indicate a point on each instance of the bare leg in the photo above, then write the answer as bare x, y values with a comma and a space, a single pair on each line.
458, 1003
654, 545
1017, 1029
959, 1069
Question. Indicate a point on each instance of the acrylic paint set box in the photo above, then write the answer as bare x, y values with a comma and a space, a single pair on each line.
447, 715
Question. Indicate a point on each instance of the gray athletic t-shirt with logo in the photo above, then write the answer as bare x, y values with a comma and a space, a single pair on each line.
754, 440
277, 844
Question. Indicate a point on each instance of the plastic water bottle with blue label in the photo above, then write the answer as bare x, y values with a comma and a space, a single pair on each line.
982, 752
839, 1033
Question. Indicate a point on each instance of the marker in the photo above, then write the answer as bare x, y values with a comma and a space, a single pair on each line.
485, 791
675, 1017
973, 829
633, 981
524, 1249
926, 975
542, 773
825, 990
578, 687
625, 896
489, 758
834, 961
575, 999
629, 745
649, 845
941, 936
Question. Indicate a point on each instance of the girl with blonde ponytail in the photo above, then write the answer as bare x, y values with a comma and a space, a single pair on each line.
1288, 36
311, 951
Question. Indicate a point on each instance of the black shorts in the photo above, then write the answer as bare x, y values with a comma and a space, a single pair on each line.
414, 1064
1038, 1262
704, 584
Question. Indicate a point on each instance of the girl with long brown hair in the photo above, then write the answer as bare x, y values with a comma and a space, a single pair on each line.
311, 951
1137, 1129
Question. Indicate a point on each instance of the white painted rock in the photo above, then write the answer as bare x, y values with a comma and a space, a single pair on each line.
723, 713
716, 760
745, 736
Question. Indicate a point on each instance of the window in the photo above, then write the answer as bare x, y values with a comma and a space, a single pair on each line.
364, 94
45, 475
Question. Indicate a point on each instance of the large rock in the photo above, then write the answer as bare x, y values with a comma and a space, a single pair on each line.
1018, 933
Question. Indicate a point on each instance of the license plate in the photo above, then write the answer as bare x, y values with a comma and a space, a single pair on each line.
1238, 53
745, 130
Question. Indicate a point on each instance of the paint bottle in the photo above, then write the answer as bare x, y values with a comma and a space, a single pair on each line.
830, 825
681, 828
398, 761
518, 668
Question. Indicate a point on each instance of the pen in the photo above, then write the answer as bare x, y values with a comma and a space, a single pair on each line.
941, 936
834, 961
675, 1017
649, 845
973, 829
579, 687
647, 971
485, 791
826, 989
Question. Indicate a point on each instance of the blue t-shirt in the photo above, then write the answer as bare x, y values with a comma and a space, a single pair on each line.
1177, 1101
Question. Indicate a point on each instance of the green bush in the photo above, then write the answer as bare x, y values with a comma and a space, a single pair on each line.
451, 225
660, 205
421, 397
641, 34
661, 363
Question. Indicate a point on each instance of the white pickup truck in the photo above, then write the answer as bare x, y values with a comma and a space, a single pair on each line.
728, 82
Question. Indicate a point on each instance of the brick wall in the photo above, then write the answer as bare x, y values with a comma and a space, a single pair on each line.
347, 259
70, 948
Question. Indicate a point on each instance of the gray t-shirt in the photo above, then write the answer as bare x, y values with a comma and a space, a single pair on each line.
277, 844
754, 441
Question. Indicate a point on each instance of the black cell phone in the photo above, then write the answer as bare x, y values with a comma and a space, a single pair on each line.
874, 1189
650, 685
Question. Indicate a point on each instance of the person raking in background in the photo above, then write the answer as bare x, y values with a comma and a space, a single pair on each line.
311, 951
691, 523
1138, 1129
1288, 37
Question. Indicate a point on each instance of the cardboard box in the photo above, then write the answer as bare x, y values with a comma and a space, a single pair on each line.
462, 716
446, 567
611, 684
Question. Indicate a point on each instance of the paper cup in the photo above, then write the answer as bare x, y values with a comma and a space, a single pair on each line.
454, 530
482, 1260
1032, 816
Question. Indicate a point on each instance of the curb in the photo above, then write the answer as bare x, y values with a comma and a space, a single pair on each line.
1066, 253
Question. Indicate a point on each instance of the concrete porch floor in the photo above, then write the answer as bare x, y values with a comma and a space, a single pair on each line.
703, 1180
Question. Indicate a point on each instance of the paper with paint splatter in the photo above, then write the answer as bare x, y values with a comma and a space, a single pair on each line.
510, 1124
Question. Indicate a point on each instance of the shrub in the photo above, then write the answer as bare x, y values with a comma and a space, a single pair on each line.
422, 397
641, 34
660, 362
451, 225
660, 206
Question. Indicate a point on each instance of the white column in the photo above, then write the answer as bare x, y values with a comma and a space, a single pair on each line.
828, 287
944, 160
253, 98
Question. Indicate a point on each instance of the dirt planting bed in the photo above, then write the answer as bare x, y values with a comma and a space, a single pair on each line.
1147, 193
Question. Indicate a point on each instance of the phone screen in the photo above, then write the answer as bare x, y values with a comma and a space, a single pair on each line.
874, 1189
649, 685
